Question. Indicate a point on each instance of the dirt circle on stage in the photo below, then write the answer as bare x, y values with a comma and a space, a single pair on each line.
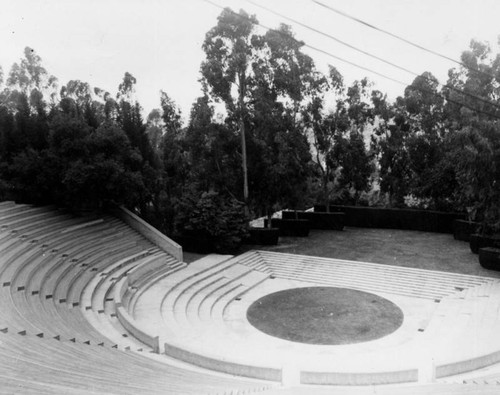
325, 315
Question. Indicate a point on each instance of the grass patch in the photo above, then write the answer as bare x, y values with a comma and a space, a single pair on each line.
325, 315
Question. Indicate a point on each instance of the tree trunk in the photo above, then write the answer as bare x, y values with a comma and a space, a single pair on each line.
241, 104
269, 218
356, 197
244, 161
325, 193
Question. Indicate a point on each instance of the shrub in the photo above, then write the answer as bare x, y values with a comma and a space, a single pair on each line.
215, 217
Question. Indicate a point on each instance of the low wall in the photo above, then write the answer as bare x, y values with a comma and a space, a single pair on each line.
197, 245
131, 326
477, 241
454, 368
150, 232
263, 236
393, 218
257, 372
290, 227
376, 378
489, 258
463, 229
319, 220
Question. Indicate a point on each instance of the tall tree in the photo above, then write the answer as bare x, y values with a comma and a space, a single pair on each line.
227, 69
154, 128
341, 158
31, 78
284, 79
474, 146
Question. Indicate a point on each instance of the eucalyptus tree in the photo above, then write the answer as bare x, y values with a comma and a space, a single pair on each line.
285, 80
227, 70
30, 78
342, 162
474, 145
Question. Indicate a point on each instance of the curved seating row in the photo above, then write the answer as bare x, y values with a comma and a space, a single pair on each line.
198, 310
78, 292
75, 367
59, 332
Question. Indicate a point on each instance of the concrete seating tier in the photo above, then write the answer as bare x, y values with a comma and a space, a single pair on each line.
56, 270
33, 231
50, 366
364, 276
43, 312
104, 298
200, 309
407, 389
144, 276
96, 298
86, 302
22, 215
493, 379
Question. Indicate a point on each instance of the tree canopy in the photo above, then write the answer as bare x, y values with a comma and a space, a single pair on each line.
288, 136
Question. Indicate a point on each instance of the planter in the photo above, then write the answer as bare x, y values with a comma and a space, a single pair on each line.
263, 236
478, 241
290, 227
329, 221
489, 258
462, 229
394, 218
198, 245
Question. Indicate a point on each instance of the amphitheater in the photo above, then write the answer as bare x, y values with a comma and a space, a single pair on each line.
105, 305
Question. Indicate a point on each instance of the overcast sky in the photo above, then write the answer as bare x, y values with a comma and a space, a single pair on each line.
159, 41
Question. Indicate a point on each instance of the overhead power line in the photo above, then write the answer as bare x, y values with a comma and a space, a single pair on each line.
406, 41
314, 48
415, 74
330, 37
324, 52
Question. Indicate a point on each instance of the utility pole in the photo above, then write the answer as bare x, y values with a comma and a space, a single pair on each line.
241, 105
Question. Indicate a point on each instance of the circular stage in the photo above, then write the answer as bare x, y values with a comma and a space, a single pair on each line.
325, 315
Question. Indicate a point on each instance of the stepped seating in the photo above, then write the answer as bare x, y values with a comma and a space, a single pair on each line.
85, 271
490, 379
132, 277
203, 307
65, 310
65, 366
55, 272
35, 230
411, 389
143, 277
86, 263
417, 283
473, 323
175, 305
48, 311
22, 215
97, 294
79, 296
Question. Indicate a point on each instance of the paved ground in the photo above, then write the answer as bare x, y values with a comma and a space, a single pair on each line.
433, 251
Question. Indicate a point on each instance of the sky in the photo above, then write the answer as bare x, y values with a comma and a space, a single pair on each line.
159, 41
